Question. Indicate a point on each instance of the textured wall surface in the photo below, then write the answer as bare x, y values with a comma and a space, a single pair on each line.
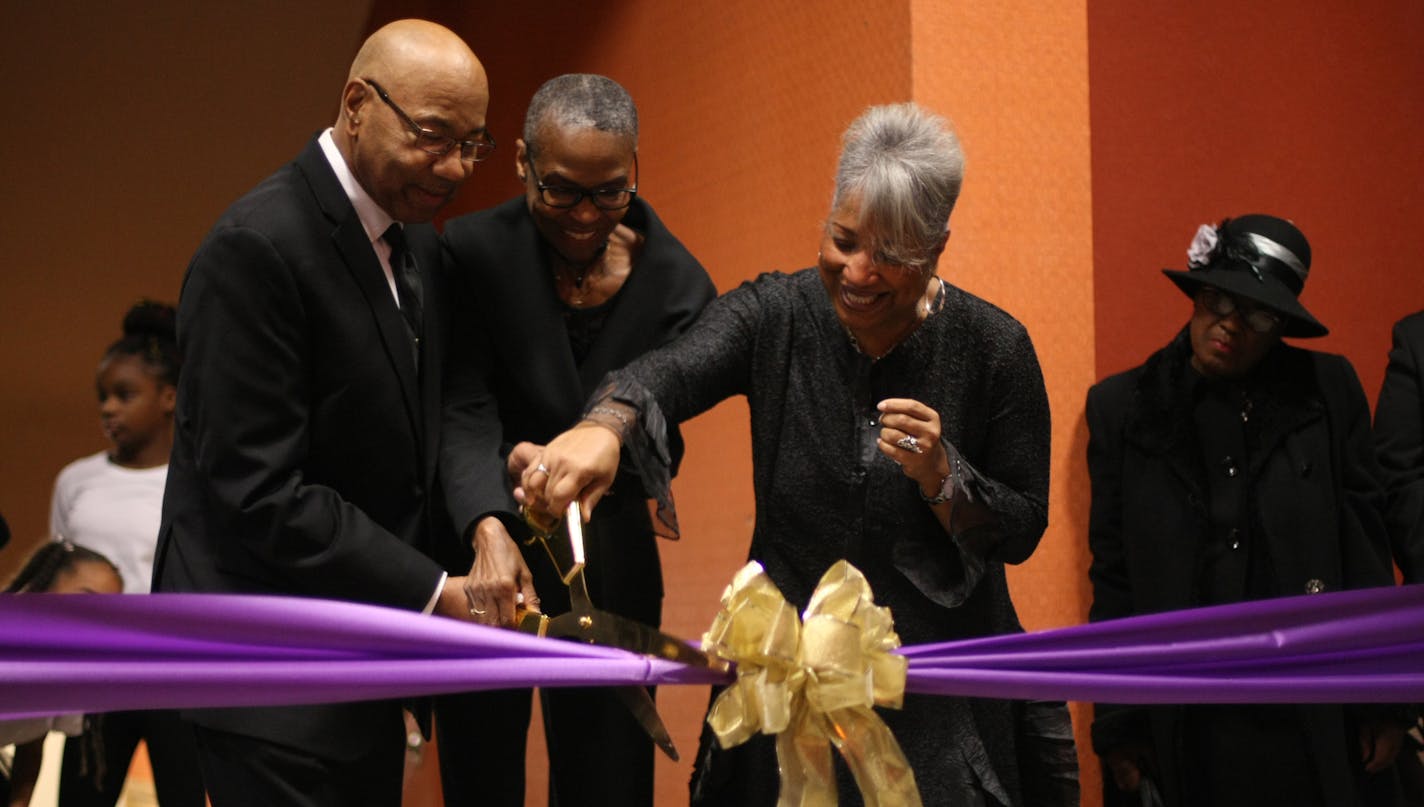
1098, 135
1313, 112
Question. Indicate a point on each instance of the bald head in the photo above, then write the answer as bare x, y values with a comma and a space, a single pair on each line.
433, 82
417, 51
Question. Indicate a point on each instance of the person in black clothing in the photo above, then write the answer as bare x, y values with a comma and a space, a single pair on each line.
1399, 444
898, 422
572, 279
313, 323
1230, 467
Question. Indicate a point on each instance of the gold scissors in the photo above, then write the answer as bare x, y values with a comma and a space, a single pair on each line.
585, 623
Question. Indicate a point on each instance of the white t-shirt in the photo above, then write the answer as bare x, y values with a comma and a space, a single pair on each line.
112, 510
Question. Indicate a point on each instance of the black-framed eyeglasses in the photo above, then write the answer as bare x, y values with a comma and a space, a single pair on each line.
564, 197
434, 142
1260, 320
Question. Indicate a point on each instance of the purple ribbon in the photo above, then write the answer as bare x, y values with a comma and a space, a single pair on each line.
97, 653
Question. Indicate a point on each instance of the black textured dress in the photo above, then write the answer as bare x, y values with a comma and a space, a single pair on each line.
824, 492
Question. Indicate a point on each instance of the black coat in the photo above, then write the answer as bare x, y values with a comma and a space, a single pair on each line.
1316, 501
305, 435
1399, 442
511, 359
512, 351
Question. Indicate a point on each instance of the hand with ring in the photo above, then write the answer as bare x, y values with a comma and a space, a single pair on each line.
910, 436
499, 583
579, 464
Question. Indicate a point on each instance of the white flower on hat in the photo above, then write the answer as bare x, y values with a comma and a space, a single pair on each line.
1203, 247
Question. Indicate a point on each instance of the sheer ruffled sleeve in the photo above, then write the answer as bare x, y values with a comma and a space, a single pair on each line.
629, 408
710, 362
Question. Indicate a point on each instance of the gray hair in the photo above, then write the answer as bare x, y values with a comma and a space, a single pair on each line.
905, 166
581, 101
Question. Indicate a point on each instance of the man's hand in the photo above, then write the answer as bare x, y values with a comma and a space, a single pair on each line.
499, 582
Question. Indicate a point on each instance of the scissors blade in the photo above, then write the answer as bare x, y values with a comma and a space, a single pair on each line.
611, 630
640, 703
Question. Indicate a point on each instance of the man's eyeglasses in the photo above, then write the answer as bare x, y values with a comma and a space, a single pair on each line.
564, 197
434, 142
1260, 320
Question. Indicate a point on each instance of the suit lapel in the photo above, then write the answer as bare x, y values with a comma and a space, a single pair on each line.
350, 240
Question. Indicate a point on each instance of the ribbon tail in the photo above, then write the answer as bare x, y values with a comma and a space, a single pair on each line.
875, 759
807, 777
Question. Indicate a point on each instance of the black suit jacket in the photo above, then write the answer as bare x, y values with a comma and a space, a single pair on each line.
1399, 441
306, 435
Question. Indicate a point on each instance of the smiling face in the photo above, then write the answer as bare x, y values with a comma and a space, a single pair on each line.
583, 159
1225, 346
135, 406
876, 300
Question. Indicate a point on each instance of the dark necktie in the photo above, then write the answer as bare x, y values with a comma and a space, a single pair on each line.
407, 277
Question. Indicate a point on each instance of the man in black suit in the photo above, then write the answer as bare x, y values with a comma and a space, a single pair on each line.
304, 457
1399, 443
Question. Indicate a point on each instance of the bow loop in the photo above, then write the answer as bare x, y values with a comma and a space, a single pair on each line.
813, 682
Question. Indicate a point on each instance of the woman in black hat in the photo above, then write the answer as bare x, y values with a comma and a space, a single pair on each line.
1231, 466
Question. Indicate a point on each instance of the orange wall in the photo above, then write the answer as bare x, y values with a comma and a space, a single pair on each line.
1014, 75
128, 132
1312, 111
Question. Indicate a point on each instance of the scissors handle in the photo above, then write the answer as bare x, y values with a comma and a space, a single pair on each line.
567, 556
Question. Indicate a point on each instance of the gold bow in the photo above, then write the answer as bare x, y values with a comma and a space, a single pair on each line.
813, 684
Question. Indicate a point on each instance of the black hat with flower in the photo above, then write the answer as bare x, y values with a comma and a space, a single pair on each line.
1259, 258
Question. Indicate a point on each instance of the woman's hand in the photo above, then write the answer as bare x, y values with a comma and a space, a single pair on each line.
910, 435
577, 465
521, 457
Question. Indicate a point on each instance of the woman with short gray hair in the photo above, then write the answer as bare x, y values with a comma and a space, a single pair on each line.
898, 422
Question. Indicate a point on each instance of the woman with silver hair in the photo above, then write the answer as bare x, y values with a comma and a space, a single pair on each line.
898, 422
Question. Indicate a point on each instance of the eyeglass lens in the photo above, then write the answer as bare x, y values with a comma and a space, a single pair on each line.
607, 199
1223, 305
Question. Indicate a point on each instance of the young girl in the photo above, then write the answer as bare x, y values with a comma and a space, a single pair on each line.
111, 502
55, 568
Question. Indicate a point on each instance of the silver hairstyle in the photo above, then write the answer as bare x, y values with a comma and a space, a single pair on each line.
581, 101
905, 166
